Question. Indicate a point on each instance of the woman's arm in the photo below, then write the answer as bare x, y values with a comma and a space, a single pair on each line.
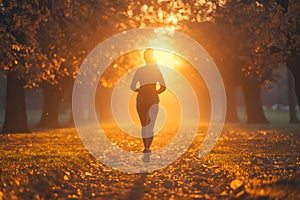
133, 83
162, 84
161, 89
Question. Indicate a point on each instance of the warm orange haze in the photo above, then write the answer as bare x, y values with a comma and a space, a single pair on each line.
152, 99
169, 116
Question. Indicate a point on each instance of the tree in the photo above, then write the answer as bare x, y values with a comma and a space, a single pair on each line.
294, 42
43, 45
19, 56
262, 34
293, 65
72, 35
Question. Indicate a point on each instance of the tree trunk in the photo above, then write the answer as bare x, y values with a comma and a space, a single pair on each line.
297, 86
71, 119
292, 99
68, 94
294, 65
15, 109
252, 96
52, 98
231, 114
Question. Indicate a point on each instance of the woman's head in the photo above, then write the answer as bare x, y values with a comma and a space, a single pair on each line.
149, 56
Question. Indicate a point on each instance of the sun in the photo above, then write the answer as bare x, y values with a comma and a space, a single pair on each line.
165, 52
166, 58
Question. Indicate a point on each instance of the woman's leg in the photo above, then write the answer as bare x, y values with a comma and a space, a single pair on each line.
147, 115
152, 115
142, 110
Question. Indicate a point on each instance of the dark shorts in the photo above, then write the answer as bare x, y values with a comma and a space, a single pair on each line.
143, 105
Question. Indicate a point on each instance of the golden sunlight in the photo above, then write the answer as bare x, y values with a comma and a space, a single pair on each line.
165, 55
166, 58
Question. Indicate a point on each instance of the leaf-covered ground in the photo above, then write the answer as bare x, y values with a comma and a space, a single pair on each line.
246, 163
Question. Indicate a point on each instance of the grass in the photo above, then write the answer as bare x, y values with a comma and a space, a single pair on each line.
247, 162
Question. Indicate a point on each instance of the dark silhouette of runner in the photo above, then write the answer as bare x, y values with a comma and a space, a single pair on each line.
144, 82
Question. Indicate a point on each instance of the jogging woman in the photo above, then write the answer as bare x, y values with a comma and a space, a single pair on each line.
144, 82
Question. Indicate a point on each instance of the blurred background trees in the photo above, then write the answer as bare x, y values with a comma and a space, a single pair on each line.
20, 56
44, 42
